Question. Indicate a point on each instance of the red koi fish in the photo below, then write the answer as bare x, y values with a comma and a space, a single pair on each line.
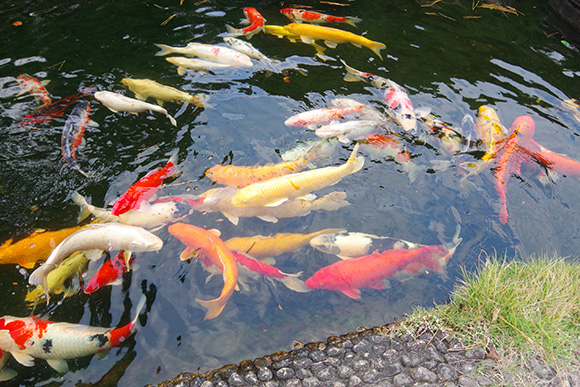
350, 275
72, 134
511, 157
55, 109
32, 337
302, 15
35, 87
110, 273
256, 21
145, 188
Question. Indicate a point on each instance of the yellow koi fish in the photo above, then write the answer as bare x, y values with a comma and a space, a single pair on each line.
332, 36
34, 248
145, 88
262, 247
282, 33
277, 190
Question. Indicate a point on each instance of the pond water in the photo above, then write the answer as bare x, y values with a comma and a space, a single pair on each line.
451, 58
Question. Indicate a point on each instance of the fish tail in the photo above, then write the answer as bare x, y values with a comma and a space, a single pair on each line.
352, 75
140, 305
172, 120
352, 20
200, 100
377, 47
292, 282
356, 163
214, 307
82, 203
165, 49
233, 31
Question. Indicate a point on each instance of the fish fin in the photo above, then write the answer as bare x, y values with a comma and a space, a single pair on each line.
352, 293
5, 339
45, 82
308, 198
127, 257
93, 124
59, 365
82, 203
140, 97
232, 31
215, 232
7, 243
351, 74
165, 49
352, 20
7, 374
232, 218
342, 138
377, 285
377, 47
276, 203
117, 282
172, 120
186, 254
245, 22
330, 44
94, 254
214, 308
306, 39
293, 283
356, 45
28, 265
159, 101
181, 71
268, 218
23, 358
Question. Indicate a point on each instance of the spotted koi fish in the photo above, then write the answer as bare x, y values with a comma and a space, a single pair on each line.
35, 87
72, 134
55, 109
302, 15
256, 21
33, 337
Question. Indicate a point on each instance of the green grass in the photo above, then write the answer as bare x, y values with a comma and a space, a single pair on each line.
529, 306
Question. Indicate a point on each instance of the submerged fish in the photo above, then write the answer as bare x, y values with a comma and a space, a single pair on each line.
325, 115
202, 243
28, 338
348, 131
119, 103
246, 48
216, 54
6, 373
35, 87
145, 88
302, 15
110, 273
490, 130
72, 134
256, 21
184, 64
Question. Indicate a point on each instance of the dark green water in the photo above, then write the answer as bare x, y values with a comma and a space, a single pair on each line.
448, 62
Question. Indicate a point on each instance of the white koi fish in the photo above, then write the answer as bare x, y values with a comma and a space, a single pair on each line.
119, 103
219, 54
98, 237
347, 131
32, 337
325, 115
246, 48
201, 65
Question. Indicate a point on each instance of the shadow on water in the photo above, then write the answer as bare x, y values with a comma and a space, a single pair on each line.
451, 57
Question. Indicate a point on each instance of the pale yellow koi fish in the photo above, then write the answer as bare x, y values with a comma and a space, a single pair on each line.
145, 88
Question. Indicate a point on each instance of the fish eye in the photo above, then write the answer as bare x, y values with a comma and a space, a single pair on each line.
408, 116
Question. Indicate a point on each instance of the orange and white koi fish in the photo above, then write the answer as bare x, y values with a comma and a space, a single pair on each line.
260, 247
35, 87
34, 248
277, 190
332, 36
99, 238
110, 273
119, 103
256, 21
144, 189
72, 134
202, 243
302, 15
32, 337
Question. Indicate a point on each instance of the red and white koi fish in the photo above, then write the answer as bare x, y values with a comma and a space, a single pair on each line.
55, 109
32, 337
35, 87
256, 21
302, 15
72, 134
324, 116
350, 275
110, 273
145, 188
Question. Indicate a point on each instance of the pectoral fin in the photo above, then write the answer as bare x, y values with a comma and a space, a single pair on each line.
330, 44
140, 97
59, 365
306, 39
352, 293
232, 218
377, 285
276, 203
23, 358
94, 254
127, 257
103, 354
268, 218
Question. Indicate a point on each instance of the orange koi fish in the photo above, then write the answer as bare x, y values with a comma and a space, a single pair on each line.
555, 161
32, 337
35, 87
34, 248
145, 188
256, 21
303, 15
200, 242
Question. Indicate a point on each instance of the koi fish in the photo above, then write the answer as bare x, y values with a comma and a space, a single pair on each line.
35, 87
110, 273
65, 279
354, 75
200, 242
333, 36
489, 130
72, 134
262, 247
34, 248
555, 161
98, 237
450, 139
240, 176
55, 109
119, 103
144, 189
380, 145
145, 88
256, 21
246, 48
350, 275
32, 337
510, 158
277, 190
347, 131
302, 15
573, 106
213, 53
184, 64
281, 33
291, 281
325, 115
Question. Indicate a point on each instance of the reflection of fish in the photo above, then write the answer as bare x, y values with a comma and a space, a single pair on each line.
277, 190
32, 337
317, 17
35, 87
110, 273
201, 243
119, 103
216, 54
256, 21
145, 88
34, 248
98, 237
144, 189
72, 134
55, 109
262, 247
332, 36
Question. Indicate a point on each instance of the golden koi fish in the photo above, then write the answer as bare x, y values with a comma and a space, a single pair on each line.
262, 247
34, 248
490, 130
282, 33
275, 191
145, 88
332, 36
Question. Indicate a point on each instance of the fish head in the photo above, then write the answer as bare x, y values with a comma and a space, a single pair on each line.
147, 242
317, 281
524, 127
287, 12
325, 243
